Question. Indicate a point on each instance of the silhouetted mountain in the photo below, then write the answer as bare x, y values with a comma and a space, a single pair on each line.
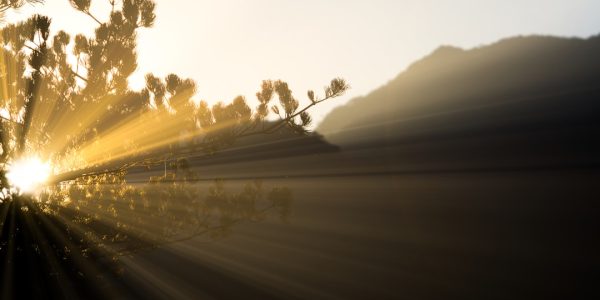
451, 78
519, 100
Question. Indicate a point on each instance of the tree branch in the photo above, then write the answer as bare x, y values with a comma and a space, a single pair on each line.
87, 12
79, 76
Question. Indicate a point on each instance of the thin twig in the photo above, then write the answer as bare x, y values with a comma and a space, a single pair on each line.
87, 12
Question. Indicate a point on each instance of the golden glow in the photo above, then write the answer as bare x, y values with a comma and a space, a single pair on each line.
28, 174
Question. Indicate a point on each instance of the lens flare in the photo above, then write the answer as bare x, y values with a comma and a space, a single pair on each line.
28, 174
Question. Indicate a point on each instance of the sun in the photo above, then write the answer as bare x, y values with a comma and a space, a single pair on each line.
28, 174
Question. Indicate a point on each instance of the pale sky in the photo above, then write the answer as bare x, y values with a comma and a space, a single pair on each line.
230, 46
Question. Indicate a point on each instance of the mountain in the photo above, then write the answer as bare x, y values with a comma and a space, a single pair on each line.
519, 100
451, 78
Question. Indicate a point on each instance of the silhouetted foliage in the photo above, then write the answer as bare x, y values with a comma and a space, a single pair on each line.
8, 4
66, 98
86, 78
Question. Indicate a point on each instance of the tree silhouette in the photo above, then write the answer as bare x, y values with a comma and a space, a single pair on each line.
66, 99
7, 4
63, 94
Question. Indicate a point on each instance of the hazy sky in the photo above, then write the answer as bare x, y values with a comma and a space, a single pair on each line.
230, 46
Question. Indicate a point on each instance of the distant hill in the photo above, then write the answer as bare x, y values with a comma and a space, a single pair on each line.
520, 99
449, 79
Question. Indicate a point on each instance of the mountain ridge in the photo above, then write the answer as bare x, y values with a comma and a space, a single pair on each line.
518, 63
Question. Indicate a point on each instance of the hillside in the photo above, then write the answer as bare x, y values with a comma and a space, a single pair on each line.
512, 72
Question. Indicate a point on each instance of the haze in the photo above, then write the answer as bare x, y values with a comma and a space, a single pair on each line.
229, 47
